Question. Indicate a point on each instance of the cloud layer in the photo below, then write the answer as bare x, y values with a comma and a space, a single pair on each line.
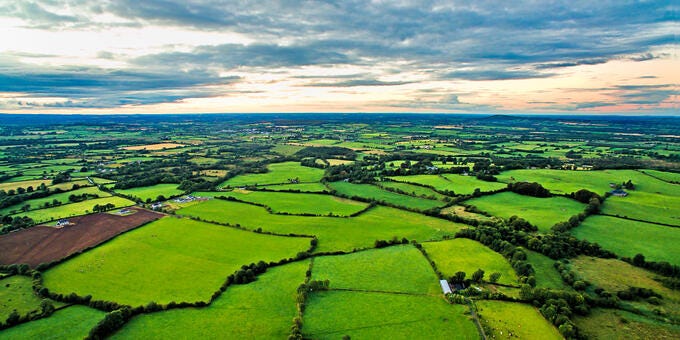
386, 55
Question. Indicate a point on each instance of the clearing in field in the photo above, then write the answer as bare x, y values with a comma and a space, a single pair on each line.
73, 322
628, 238
375, 193
465, 255
541, 212
459, 184
151, 193
400, 269
153, 147
379, 223
74, 209
618, 324
16, 293
43, 244
279, 173
162, 262
545, 273
461, 211
262, 309
364, 315
515, 320
296, 204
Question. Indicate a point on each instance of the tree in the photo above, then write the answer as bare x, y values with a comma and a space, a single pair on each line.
459, 277
478, 276
639, 260
494, 277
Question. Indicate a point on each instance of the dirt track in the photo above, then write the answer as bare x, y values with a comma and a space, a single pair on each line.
42, 244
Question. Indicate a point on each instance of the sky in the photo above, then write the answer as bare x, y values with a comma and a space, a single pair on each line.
199, 56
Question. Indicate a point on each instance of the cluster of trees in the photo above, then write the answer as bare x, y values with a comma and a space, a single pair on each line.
14, 318
663, 267
326, 152
557, 307
82, 197
15, 223
529, 189
103, 207
387, 243
520, 224
112, 322
354, 173
62, 177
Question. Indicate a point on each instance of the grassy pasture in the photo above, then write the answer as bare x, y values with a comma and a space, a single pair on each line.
169, 259
7, 186
413, 190
74, 209
461, 211
286, 149
673, 177
375, 193
331, 315
618, 324
61, 197
302, 187
152, 192
334, 233
466, 255
515, 320
459, 184
294, 203
628, 238
16, 293
262, 309
541, 212
279, 173
546, 274
72, 322
394, 269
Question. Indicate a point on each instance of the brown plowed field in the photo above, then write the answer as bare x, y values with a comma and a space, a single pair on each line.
42, 244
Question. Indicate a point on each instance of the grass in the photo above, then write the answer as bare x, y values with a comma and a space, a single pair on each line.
16, 293
261, 310
24, 184
169, 259
286, 149
618, 324
413, 190
515, 320
294, 203
73, 322
331, 315
462, 212
663, 175
615, 275
466, 255
61, 197
394, 269
334, 233
279, 173
157, 146
546, 274
459, 184
302, 187
152, 192
541, 212
375, 193
74, 209
628, 238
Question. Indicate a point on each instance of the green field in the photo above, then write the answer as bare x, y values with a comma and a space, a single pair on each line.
62, 197
466, 255
74, 209
16, 293
395, 269
167, 260
302, 187
279, 173
360, 315
334, 233
72, 322
294, 203
459, 184
541, 212
673, 177
259, 310
545, 273
7, 186
375, 193
152, 192
413, 190
515, 320
628, 238
617, 324
462, 212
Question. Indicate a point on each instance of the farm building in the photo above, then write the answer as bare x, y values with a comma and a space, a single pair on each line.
446, 289
62, 223
619, 193
156, 205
